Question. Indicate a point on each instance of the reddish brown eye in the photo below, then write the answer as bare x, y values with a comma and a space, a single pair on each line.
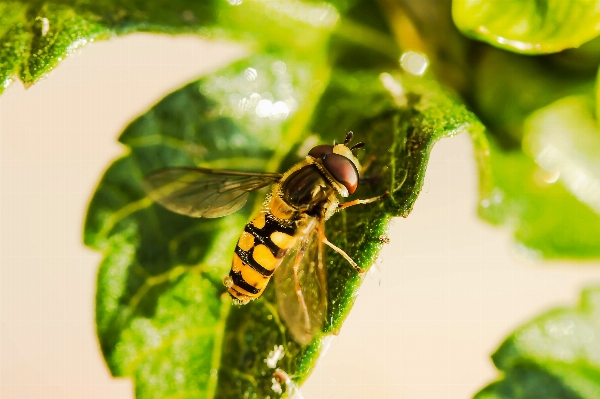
321, 150
342, 170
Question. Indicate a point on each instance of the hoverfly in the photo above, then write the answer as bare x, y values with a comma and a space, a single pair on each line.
287, 234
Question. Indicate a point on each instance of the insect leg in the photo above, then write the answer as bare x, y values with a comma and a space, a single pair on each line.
363, 201
340, 251
321, 270
297, 262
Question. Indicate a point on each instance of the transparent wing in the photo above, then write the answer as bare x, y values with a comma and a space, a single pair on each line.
304, 320
207, 193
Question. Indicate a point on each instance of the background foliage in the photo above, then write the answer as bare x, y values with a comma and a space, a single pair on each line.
162, 317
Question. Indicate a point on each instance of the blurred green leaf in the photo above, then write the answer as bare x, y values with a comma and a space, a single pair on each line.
529, 26
162, 314
555, 356
544, 216
35, 36
507, 88
564, 140
549, 195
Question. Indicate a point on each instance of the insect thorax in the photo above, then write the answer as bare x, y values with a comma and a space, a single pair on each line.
304, 190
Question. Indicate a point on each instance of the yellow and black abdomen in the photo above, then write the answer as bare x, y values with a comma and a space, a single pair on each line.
259, 251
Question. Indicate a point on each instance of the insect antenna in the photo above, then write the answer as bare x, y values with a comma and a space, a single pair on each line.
357, 146
348, 137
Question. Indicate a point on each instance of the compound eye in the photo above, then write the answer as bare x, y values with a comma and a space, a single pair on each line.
342, 170
321, 150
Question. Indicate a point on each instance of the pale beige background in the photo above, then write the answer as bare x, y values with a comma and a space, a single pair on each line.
448, 288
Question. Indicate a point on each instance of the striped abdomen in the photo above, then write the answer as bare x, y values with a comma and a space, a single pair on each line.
259, 251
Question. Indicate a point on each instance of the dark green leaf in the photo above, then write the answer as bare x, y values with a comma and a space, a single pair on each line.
529, 26
399, 132
162, 315
35, 36
555, 356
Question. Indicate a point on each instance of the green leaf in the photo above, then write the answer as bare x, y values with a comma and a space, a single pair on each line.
555, 356
550, 195
162, 314
528, 26
160, 305
35, 36
14, 38
400, 133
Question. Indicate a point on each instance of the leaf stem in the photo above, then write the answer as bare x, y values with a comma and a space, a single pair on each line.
158, 279
117, 216
367, 37
298, 125
146, 141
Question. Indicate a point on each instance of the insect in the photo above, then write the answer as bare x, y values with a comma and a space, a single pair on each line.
287, 235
